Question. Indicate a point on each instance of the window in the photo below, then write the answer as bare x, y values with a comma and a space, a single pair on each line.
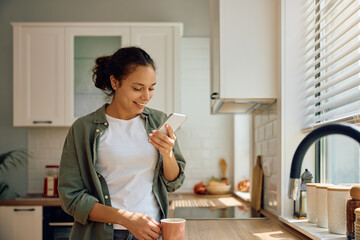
332, 62
332, 84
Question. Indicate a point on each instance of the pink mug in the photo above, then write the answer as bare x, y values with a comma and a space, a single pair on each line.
173, 228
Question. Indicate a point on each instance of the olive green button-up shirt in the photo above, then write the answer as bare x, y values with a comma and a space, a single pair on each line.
80, 186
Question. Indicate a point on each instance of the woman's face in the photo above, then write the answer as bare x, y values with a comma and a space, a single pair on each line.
134, 92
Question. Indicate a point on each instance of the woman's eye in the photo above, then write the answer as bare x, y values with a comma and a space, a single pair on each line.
137, 89
151, 89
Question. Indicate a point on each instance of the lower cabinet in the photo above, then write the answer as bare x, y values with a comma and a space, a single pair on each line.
21, 222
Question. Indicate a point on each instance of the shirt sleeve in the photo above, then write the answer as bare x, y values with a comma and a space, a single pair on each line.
171, 186
74, 197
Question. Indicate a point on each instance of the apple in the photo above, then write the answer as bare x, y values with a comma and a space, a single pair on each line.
200, 188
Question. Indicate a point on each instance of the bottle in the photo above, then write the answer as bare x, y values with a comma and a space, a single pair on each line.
50, 183
352, 204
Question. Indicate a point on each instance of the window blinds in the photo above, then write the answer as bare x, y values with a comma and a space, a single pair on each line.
332, 71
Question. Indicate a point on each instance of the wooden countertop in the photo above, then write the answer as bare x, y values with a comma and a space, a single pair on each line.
31, 200
270, 228
226, 229
237, 229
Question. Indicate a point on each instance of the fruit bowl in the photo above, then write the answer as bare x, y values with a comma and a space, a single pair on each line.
218, 189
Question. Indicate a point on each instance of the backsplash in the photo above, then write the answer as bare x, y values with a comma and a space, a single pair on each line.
266, 141
45, 146
204, 139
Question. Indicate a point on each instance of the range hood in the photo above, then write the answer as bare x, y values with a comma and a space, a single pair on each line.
244, 55
239, 106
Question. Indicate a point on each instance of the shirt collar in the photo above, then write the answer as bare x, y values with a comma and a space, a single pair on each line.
99, 116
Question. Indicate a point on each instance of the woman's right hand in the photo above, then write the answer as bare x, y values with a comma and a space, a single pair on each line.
142, 226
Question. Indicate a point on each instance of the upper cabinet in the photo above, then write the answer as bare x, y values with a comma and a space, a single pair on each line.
39, 74
244, 54
53, 67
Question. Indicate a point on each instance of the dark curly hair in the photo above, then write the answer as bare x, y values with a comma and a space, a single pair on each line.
123, 62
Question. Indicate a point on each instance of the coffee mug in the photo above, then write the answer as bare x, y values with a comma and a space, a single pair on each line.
173, 228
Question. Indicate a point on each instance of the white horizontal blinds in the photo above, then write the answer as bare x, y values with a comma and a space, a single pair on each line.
332, 70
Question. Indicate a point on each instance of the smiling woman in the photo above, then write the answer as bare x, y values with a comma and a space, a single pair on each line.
116, 167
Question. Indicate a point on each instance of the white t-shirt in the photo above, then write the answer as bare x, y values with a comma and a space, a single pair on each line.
127, 161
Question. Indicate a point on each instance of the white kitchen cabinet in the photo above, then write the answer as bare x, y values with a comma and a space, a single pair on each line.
21, 222
39, 86
162, 44
68, 58
83, 45
244, 52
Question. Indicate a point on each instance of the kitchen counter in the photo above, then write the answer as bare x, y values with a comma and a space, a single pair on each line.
230, 228
237, 229
31, 200
217, 229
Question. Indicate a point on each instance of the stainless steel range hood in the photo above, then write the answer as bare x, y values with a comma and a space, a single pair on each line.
239, 106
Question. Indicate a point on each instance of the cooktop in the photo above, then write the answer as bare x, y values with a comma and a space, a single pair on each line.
239, 212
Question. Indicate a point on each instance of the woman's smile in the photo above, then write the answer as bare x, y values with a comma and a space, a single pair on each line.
133, 93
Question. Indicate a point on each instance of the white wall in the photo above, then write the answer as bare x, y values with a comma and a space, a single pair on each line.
291, 99
204, 138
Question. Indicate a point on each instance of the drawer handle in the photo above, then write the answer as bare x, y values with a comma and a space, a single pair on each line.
60, 224
24, 209
39, 122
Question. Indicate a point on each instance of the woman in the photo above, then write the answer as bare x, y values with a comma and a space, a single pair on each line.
116, 168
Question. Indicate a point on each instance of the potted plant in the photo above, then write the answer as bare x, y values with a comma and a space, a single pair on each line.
11, 158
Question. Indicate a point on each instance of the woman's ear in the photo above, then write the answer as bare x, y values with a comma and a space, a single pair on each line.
114, 82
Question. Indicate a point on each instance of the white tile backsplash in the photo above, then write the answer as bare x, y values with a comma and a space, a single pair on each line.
266, 145
45, 146
204, 138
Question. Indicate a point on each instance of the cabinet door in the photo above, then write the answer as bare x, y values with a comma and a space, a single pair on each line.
83, 46
39, 76
21, 222
163, 45
244, 55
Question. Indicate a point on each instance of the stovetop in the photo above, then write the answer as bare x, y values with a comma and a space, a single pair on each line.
239, 212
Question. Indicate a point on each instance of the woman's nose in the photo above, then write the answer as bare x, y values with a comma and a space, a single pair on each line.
146, 95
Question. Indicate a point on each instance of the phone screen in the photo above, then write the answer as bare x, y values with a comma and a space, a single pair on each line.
174, 121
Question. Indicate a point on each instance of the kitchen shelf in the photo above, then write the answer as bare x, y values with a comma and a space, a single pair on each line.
311, 229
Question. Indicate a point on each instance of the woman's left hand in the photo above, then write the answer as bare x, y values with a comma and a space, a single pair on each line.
164, 143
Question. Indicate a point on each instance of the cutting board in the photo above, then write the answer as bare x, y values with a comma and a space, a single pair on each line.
256, 185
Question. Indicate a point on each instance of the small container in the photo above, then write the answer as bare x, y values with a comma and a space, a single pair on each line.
50, 182
337, 197
357, 224
351, 205
311, 202
321, 205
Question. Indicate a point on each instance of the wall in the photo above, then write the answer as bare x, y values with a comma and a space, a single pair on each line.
194, 15
291, 99
201, 142
205, 138
266, 141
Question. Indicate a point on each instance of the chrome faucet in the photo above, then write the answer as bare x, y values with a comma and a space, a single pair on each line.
350, 130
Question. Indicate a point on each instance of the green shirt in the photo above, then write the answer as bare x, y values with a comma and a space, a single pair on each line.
80, 186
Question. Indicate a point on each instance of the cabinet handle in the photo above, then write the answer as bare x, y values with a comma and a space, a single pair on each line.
24, 209
60, 224
37, 122
214, 95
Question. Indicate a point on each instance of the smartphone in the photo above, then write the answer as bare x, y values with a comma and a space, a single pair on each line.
174, 121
